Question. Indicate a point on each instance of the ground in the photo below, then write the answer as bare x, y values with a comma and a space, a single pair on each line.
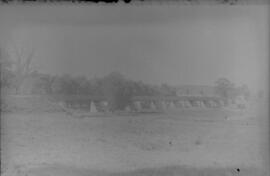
182, 142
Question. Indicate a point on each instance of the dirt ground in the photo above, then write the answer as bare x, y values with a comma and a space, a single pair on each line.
183, 142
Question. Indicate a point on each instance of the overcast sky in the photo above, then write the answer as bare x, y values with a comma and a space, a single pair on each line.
156, 44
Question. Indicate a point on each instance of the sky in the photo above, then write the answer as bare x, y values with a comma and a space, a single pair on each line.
154, 43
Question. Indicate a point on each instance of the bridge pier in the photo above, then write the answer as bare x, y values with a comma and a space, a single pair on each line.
138, 106
171, 105
153, 106
187, 104
202, 104
180, 104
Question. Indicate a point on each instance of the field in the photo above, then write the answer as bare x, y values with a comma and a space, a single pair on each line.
182, 142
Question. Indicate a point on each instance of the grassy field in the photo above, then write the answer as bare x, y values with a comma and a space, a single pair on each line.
183, 142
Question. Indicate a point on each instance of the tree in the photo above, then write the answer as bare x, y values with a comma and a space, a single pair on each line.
68, 86
96, 87
118, 90
5, 67
225, 88
43, 83
244, 91
61, 85
22, 67
165, 90
82, 85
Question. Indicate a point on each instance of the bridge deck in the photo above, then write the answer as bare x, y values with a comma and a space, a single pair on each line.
137, 98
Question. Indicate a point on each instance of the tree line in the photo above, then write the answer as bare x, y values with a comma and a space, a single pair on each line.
115, 86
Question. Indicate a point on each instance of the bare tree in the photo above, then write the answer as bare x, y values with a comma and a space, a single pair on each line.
5, 69
22, 66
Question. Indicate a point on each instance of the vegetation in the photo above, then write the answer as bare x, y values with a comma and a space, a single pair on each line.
115, 87
6, 72
17, 73
228, 90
